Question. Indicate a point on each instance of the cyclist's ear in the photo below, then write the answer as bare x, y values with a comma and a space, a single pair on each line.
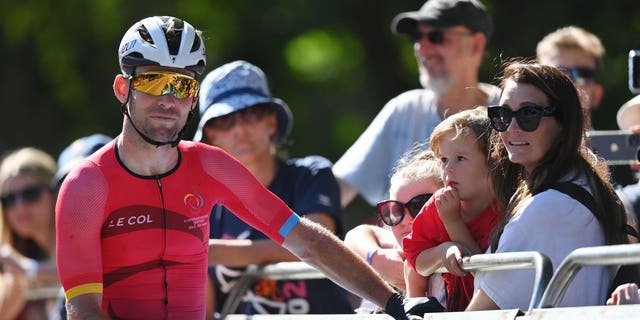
120, 88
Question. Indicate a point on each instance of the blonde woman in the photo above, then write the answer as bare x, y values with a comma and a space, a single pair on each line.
27, 232
415, 178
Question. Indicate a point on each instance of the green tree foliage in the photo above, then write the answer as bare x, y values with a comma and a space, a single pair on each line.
335, 62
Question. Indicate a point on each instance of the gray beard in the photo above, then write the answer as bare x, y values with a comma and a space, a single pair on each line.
438, 85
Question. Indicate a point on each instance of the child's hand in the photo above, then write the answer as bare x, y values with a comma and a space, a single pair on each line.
448, 203
452, 258
625, 294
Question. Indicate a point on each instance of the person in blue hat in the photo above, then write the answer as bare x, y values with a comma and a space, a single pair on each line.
239, 115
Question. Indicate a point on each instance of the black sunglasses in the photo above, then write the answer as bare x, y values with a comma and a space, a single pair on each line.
434, 36
580, 76
29, 195
392, 211
528, 117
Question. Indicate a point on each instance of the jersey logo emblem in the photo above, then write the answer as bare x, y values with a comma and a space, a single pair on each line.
194, 201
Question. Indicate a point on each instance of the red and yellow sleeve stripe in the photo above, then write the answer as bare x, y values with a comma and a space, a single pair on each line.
95, 287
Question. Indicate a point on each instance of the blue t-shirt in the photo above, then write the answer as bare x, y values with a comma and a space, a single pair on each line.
306, 185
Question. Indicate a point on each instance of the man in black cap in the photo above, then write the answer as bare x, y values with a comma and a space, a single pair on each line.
449, 38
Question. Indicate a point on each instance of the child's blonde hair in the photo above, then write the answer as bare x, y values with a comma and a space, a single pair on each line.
473, 121
417, 164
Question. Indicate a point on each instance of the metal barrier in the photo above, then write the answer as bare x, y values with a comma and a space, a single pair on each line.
623, 254
622, 312
276, 271
514, 260
45, 292
480, 262
310, 317
625, 312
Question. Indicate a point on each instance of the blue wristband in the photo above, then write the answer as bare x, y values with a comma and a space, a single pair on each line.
370, 254
31, 268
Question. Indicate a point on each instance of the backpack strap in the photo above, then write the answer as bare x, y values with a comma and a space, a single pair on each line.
577, 192
631, 231
626, 273
583, 196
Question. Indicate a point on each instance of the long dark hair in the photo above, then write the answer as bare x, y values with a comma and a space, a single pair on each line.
567, 156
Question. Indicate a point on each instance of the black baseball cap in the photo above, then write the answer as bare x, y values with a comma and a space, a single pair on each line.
445, 13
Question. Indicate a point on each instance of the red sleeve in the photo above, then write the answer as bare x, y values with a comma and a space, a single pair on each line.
427, 232
79, 218
246, 197
482, 227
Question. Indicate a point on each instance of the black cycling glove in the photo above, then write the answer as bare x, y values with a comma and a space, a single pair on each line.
395, 307
400, 308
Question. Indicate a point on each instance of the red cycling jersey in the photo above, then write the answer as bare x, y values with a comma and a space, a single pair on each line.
141, 241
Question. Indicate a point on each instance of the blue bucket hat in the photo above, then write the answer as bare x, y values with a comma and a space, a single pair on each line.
235, 86
76, 151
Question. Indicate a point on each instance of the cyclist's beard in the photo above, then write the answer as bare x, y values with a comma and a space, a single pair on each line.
157, 132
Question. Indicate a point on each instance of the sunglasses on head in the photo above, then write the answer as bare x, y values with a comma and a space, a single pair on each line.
580, 76
28, 195
528, 117
392, 212
249, 115
158, 83
436, 36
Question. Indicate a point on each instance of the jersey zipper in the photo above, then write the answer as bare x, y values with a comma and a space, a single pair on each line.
164, 248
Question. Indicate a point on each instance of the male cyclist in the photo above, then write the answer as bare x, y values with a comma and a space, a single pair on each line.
132, 220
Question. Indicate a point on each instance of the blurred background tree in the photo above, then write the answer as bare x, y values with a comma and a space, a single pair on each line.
335, 62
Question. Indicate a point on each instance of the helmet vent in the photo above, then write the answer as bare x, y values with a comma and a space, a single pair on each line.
196, 44
144, 34
173, 32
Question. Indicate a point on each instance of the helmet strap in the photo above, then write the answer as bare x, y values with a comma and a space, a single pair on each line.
125, 112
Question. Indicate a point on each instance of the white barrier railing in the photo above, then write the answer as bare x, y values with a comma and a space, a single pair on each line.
276, 271
548, 291
45, 292
480, 262
623, 254
514, 260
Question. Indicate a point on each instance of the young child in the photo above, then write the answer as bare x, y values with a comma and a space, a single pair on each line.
415, 178
465, 210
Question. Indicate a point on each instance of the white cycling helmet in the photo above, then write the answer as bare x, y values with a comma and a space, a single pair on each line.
162, 40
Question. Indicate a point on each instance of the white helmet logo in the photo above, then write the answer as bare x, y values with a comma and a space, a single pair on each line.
128, 46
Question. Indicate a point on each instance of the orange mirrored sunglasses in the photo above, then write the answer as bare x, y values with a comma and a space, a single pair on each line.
158, 83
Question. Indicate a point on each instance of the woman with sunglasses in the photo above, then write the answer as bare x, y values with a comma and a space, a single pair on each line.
463, 213
27, 233
415, 178
540, 128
